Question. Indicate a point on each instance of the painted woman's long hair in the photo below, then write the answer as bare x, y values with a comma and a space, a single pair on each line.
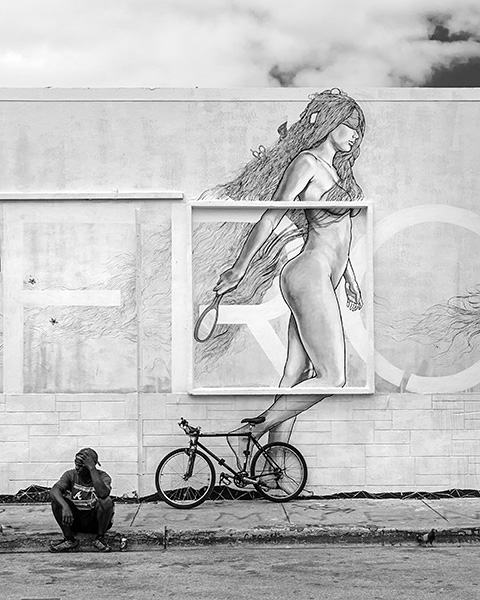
451, 327
260, 177
257, 181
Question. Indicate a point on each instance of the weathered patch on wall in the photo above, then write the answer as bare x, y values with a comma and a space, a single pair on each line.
87, 297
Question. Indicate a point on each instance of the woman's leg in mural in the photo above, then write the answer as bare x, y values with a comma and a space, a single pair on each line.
298, 368
318, 335
283, 431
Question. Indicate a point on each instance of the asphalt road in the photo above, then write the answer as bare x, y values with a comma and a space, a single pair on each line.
240, 572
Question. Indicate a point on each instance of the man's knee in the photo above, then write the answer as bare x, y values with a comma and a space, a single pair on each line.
104, 505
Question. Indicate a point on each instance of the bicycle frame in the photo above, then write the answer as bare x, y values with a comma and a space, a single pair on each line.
186, 476
195, 443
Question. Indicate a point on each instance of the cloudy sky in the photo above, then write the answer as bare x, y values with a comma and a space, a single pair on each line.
239, 43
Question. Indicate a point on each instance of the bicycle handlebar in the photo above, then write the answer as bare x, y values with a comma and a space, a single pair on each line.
188, 429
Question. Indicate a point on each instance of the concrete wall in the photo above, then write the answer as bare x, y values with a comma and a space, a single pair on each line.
91, 178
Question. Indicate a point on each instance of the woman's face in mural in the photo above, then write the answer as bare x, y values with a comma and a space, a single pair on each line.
345, 135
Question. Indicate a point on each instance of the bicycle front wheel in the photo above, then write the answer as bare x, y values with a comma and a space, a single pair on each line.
184, 479
280, 471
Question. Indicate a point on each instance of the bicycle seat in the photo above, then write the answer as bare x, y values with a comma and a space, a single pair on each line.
253, 420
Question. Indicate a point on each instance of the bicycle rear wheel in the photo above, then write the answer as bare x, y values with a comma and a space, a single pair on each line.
281, 472
181, 484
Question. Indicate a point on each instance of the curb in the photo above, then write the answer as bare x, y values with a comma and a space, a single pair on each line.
316, 535
139, 541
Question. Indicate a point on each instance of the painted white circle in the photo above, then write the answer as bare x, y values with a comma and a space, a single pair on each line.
383, 231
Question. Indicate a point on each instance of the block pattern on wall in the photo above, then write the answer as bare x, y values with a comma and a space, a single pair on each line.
378, 443
40, 434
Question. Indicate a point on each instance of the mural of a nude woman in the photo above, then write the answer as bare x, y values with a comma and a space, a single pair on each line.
312, 161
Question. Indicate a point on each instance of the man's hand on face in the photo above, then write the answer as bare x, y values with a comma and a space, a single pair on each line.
87, 460
67, 516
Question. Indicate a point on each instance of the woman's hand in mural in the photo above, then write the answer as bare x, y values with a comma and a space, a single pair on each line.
228, 280
354, 295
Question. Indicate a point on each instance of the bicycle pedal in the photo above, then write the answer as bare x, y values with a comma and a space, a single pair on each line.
225, 479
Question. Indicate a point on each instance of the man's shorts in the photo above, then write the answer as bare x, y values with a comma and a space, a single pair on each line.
84, 521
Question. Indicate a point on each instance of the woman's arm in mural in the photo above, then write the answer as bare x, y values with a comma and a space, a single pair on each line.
295, 179
352, 289
261, 231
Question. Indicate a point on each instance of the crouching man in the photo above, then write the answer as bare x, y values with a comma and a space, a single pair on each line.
81, 503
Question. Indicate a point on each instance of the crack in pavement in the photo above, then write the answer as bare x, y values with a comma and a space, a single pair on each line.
436, 511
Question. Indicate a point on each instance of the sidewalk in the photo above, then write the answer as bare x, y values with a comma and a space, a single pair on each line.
156, 526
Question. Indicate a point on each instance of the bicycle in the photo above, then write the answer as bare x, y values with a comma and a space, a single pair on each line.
186, 477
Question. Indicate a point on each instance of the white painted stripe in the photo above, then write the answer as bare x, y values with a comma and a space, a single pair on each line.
101, 213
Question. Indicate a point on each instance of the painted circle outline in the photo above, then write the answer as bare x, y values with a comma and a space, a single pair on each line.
383, 231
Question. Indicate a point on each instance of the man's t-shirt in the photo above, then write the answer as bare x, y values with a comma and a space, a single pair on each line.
80, 492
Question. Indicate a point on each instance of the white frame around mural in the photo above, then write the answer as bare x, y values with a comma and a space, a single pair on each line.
363, 343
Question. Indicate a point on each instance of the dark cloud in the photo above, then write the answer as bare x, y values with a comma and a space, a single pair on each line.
461, 71
440, 30
282, 77
466, 74
443, 34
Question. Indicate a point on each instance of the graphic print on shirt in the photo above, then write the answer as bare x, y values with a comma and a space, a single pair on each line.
84, 497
